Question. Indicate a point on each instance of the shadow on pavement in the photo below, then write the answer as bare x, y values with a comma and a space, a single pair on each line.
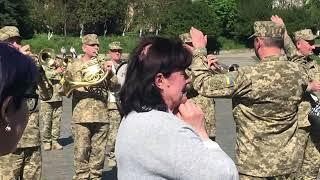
66, 141
111, 174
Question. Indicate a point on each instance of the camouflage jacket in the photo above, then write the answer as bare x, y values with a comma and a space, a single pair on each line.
310, 63
31, 134
207, 104
265, 102
54, 79
89, 104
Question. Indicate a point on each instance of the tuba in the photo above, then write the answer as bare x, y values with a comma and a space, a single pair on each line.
92, 73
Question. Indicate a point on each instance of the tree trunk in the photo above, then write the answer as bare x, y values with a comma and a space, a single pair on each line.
65, 27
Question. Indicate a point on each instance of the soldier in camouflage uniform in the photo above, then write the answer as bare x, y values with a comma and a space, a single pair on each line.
304, 41
51, 110
206, 104
115, 51
301, 52
266, 96
25, 162
90, 123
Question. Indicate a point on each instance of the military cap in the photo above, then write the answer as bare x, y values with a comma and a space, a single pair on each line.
8, 32
115, 45
185, 37
267, 29
305, 34
90, 39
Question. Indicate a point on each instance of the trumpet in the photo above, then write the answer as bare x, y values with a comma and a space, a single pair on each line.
45, 87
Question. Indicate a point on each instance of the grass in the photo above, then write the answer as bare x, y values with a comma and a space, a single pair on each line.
227, 44
40, 41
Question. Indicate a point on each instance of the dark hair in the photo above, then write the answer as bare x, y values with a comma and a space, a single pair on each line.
273, 42
153, 55
18, 74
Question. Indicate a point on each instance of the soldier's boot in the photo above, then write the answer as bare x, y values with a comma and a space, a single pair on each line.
56, 146
47, 146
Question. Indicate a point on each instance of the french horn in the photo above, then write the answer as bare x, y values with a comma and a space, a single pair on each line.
92, 74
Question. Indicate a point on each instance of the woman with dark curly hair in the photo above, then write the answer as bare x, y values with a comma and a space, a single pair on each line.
162, 135
18, 76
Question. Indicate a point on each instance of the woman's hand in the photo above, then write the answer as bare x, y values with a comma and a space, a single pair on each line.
194, 116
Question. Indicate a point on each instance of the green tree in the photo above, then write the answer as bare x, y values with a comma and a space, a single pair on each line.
95, 12
226, 14
182, 17
149, 14
248, 12
15, 12
296, 18
313, 9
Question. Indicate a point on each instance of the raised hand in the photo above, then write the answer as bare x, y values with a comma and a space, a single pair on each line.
199, 40
277, 20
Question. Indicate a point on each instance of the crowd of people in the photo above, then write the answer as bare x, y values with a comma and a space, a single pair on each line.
159, 121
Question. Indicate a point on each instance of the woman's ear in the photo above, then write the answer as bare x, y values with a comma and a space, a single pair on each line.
159, 80
5, 108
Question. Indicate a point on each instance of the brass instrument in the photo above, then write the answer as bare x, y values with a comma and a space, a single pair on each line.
92, 73
223, 68
48, 58
45, 88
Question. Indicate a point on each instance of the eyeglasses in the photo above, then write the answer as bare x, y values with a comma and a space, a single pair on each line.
116, 50
311, 42
189, 43
32, 101
13, 40
92, 45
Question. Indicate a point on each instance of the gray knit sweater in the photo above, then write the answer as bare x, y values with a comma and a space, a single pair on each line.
157, 145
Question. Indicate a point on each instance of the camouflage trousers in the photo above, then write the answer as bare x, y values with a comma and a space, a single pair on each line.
208, 107
311, 162
90, 141
24, 163
50, 114
114, 118
281, 177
